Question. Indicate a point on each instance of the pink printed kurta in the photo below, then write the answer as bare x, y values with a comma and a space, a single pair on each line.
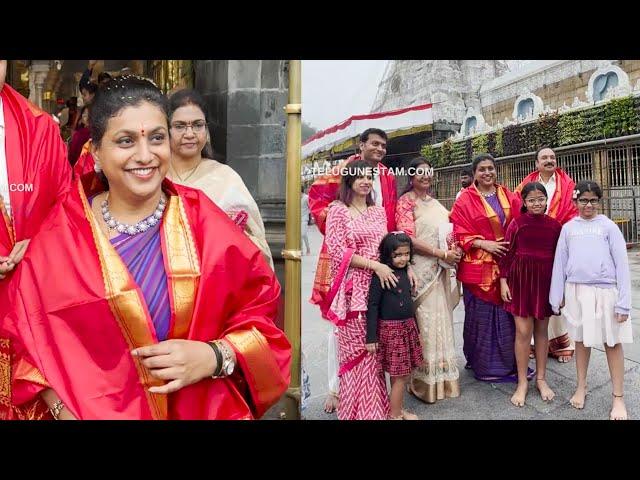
363, 392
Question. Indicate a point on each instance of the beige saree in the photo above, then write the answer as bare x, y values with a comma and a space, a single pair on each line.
227, 190
436, 298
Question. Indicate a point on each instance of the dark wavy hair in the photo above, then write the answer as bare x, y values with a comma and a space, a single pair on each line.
527, 189
481, 158
90, 87
466, 171
116, 95
390, 243
122, 92
353, 171
104, 77
588, 186
189, 96
364, 136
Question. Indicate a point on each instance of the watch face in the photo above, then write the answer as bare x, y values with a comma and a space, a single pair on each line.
228, 368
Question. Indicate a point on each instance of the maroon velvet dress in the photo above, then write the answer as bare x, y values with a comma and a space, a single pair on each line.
529, 263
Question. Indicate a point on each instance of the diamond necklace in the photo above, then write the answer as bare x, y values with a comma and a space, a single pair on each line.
141, 226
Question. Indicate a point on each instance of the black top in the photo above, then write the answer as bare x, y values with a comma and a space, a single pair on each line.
388, 304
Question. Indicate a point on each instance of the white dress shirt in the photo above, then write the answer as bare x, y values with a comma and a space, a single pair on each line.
550, 187
377, 188
4, 174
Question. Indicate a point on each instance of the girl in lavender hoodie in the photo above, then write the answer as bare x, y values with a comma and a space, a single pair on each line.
591, 283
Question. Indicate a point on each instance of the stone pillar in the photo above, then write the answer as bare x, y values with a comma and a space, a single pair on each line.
246, 100
256, 138
37, 75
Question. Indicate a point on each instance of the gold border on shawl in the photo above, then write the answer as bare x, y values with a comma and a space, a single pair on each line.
183, 265
34, 410
492, 216
504, 202
126, 306
5, 377
27, 372
262, 369
322, 279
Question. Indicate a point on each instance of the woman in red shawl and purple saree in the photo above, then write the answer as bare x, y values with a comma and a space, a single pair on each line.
155, 305
480, 217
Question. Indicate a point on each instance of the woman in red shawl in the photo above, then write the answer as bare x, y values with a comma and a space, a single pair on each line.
480, 218
154, 304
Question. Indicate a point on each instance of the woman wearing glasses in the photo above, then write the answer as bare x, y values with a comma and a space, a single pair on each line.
591, 283
525, 279
192, 165
154, 305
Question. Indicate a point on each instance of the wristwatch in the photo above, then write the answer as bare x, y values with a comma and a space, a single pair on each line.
227, 365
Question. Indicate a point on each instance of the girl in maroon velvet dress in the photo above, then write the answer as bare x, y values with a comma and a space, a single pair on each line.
525, 280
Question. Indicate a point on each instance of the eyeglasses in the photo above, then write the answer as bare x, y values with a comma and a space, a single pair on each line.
198, 126
538, 201
585, 201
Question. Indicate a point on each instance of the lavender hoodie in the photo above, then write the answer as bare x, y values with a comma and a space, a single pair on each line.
592, 252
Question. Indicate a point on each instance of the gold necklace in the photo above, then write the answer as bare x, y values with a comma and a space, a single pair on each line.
192, 171
425, 199
360, 211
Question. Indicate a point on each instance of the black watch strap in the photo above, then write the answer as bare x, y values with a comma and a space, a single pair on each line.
218, 353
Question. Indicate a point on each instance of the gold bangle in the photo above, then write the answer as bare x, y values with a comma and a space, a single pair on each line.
445, 255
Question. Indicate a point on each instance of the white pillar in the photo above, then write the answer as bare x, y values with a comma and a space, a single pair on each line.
38, 71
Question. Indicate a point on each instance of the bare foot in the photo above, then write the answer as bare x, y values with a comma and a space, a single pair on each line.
545, 392
577, 401
618, 409
564, 358
520, 394
331, 403
408, 415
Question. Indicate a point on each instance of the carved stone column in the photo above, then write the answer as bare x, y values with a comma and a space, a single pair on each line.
37, 75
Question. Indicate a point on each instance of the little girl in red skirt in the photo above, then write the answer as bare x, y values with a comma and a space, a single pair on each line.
392, 332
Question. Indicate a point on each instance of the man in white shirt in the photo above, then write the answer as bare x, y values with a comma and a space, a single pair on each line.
559, 187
